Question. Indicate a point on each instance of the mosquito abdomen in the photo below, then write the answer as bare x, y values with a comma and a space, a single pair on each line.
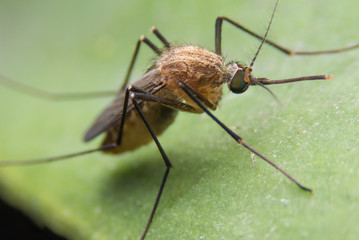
135, 133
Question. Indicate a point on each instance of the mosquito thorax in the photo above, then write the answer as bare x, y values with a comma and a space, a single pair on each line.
201, 69
239, 77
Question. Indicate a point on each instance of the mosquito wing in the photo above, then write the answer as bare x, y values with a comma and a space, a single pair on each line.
113, 113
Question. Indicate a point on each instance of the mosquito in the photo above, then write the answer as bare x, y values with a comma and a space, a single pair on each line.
185, 78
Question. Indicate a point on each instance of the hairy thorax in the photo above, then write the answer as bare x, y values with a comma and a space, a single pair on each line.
197, 67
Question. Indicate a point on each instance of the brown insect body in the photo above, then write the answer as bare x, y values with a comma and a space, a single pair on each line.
197, 67
201, 69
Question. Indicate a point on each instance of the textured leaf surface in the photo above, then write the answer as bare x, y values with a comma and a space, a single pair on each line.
213, 192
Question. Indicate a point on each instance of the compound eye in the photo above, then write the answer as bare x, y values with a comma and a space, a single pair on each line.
238, 83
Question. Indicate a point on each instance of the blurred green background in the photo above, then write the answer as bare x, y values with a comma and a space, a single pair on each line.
213, 192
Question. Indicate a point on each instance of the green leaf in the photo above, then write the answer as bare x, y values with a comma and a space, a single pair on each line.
213, 191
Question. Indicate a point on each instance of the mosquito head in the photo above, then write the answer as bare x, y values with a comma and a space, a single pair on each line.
239, 77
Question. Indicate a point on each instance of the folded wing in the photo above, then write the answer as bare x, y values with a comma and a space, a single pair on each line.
113, 113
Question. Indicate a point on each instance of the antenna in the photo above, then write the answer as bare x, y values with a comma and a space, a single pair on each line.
265, 35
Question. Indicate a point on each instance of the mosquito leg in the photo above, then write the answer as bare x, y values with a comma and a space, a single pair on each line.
36, 92
172, 103
165, 158
134, 57
9, 163
218, 40
237, 138
70, 96
160, 37
167, 102
155, 31
145, 96
39, 93
124, 112
6, 163
201, 98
